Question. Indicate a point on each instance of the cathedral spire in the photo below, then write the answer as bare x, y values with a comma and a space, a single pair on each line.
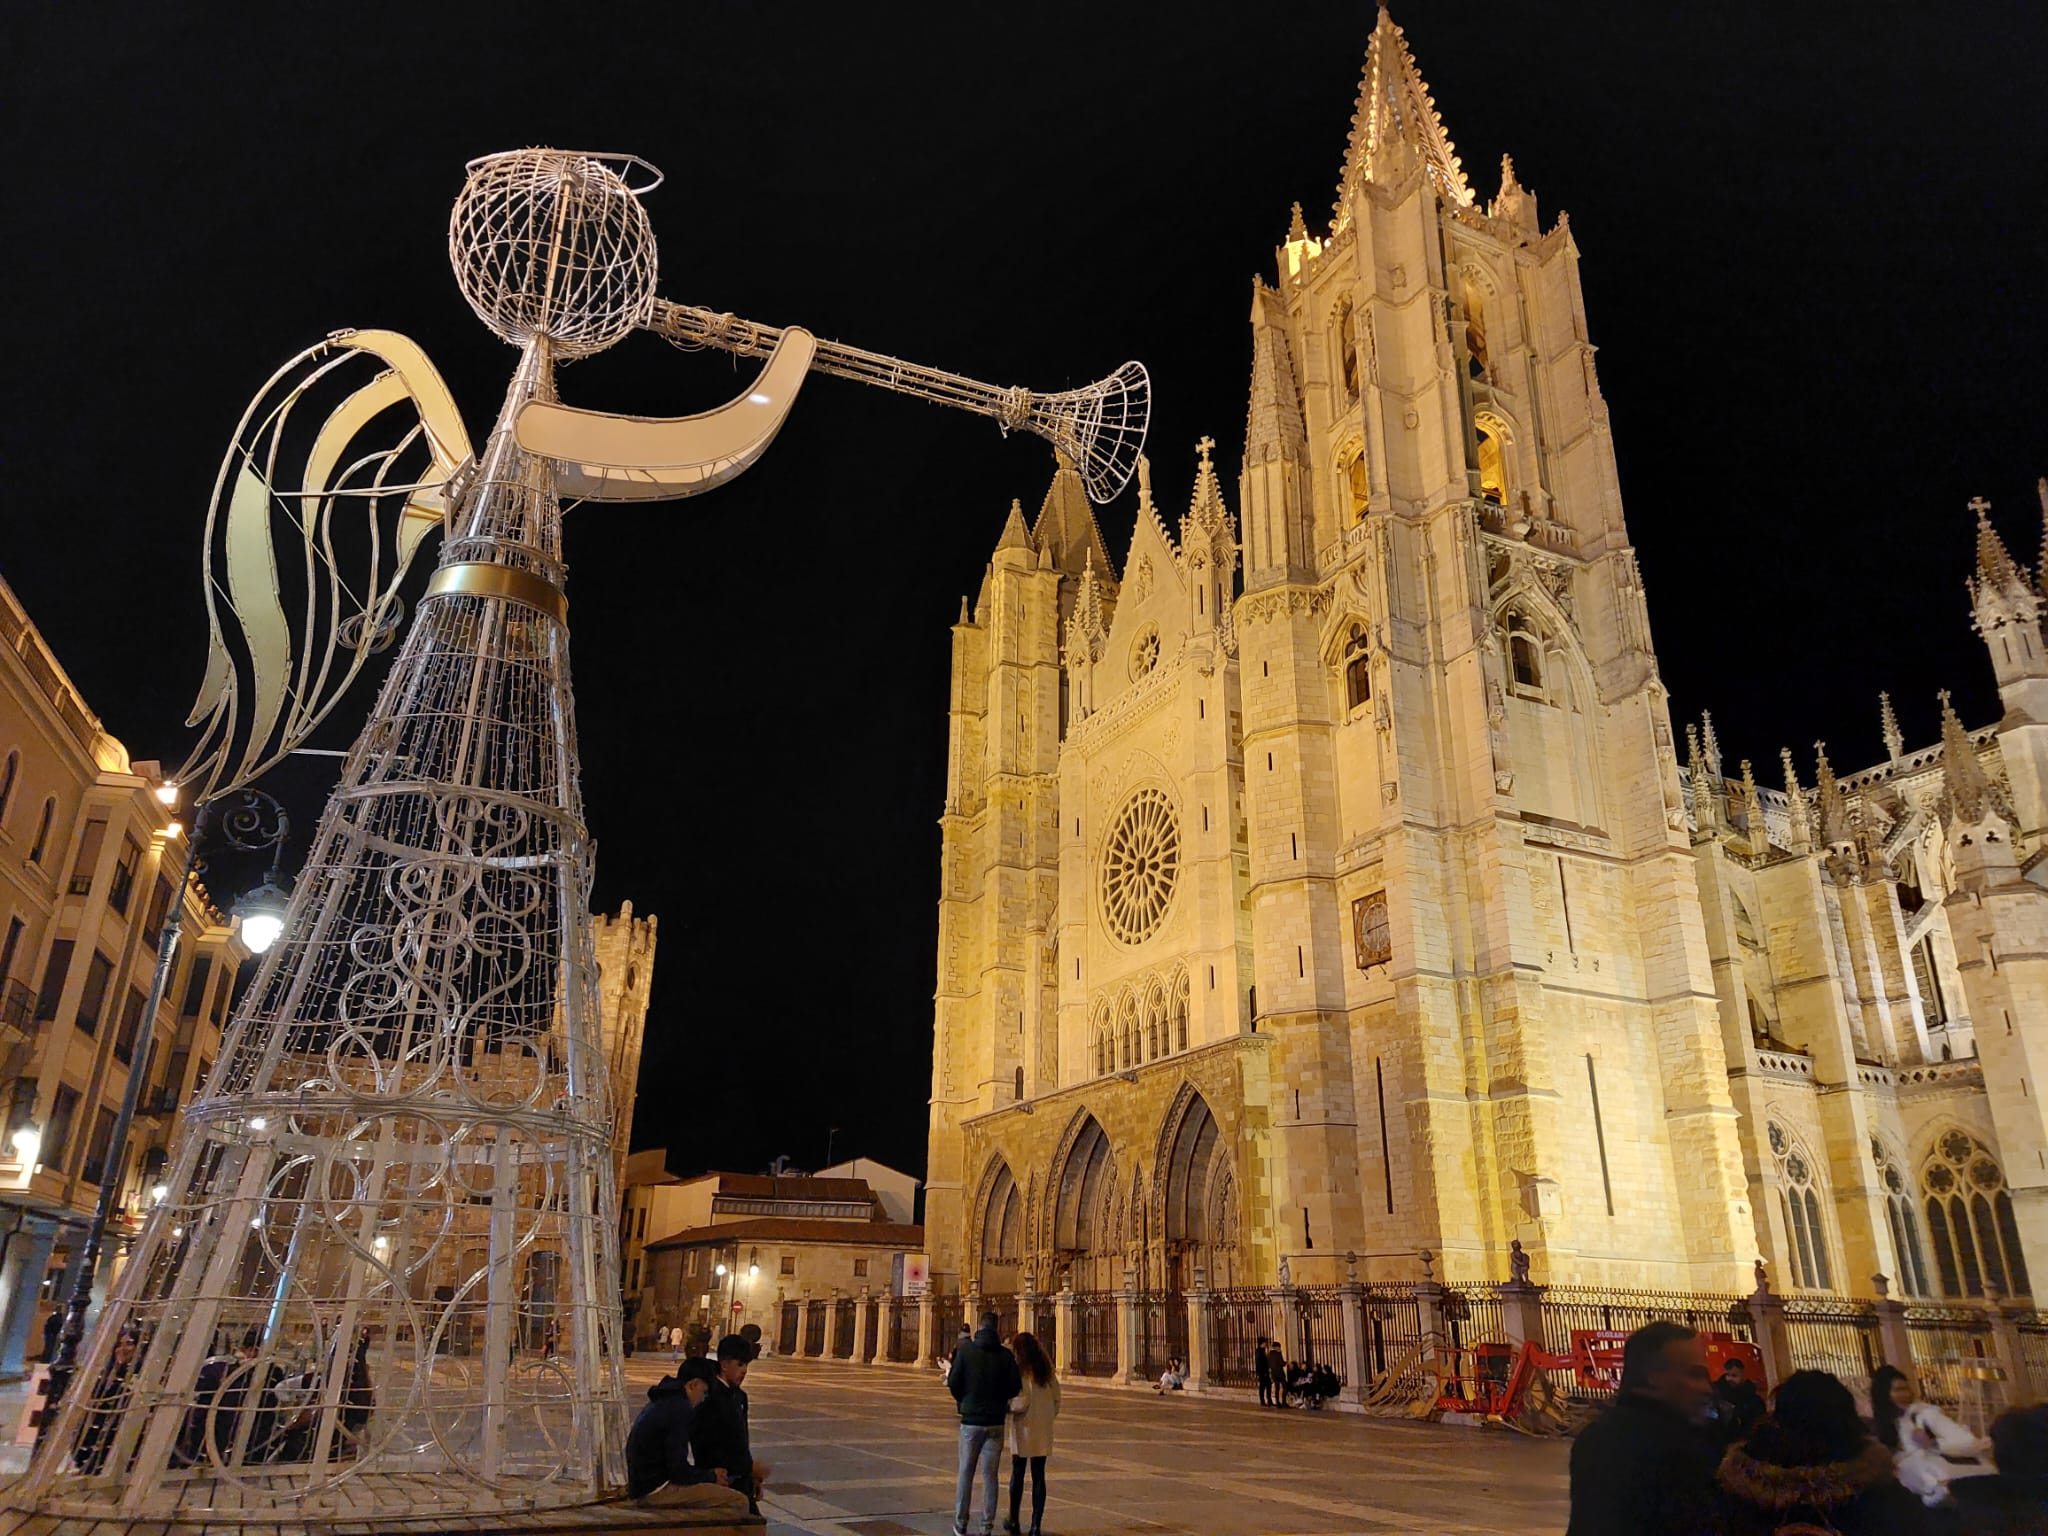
1394, 125
1706, 789
1273, 427
1297, 229
1014, 536
1962, 775
1711, 742
1831, 809
1066, 523
1995, 568
1888, 722
1795, 805
1753, 812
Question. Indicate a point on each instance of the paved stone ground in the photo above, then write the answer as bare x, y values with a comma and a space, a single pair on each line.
870, 1451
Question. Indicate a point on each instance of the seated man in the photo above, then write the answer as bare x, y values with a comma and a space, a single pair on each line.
658, 1468
721, 1442
1173, 1378
1323, 1383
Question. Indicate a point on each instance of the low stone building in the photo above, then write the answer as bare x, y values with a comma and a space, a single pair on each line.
780, 1240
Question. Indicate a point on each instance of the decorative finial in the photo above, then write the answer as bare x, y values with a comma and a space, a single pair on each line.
1426, 1256
1202, 446
1888, 722
1351, 1268
1711, 741
1297, 227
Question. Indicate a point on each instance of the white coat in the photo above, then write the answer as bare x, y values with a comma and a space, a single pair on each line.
1927, 1437
1031, 1414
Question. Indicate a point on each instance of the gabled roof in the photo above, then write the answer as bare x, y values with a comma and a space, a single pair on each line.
1066, 525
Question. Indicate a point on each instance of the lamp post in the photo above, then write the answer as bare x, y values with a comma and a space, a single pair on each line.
250, 821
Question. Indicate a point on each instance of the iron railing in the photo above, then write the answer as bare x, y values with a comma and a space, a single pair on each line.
1322, 1328
1094, 1333
1162, 1332
1831, 1333
1004, 1305
842, 1330
1950, 1345
786, 1334
1241, 1318
903, 1331
814, 1329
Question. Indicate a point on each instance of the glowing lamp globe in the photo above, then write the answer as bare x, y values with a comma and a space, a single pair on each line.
262, 914
554, 243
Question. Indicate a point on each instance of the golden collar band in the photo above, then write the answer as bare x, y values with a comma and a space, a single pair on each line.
478, 579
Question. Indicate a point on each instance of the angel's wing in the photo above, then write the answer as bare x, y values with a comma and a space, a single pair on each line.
352, 492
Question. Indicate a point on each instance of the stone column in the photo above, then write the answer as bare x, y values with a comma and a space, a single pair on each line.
1351, 1297
1064, 1308
2011, 1355
1767, 1322
861, 1341
1201, 1331
927, 1320
885, 1325
1429, 1311
1289, 1325
1029, 1303
1892, 1340
1127, 1327
27, 1257
1521, 1312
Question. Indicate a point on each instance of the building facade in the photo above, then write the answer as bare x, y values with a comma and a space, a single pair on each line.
90, 852
744, 1244
1325, 878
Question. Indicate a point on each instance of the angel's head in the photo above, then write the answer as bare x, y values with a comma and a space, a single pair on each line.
554, 242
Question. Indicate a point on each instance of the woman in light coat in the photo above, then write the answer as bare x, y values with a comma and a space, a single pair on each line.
1030, 1432
1921, 1438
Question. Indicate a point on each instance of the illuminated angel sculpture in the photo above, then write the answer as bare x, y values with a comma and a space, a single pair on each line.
389, 1242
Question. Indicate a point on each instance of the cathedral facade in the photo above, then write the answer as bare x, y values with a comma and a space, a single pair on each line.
1324, 878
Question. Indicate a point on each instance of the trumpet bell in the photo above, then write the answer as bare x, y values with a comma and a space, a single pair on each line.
1099, 429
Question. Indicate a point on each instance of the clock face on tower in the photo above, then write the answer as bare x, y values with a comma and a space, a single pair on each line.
1375, 946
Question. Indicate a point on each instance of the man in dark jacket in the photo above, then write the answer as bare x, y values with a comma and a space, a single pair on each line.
720, 1443
983, 1379
658, 1469
1264, 1367
1645, 1465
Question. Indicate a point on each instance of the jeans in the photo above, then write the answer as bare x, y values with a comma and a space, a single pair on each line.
979, 1444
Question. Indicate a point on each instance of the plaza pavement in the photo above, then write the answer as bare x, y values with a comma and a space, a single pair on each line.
871, 1450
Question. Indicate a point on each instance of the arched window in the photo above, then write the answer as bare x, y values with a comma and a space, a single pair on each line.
1970, 1219
1357, 670
1493, 475
1130, 1042
1358, 483
42, 842
1105, 1042
1020, 1083
9, 771
1180, 1015
1347, 351
1806, 1235
1475, 328
1904, 1224
1525, 661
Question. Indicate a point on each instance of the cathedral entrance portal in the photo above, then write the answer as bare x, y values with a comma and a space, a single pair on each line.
1200, 1199
1085, 1229
1002, 1236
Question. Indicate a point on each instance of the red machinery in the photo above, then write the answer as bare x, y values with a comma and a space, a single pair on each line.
1499, 1375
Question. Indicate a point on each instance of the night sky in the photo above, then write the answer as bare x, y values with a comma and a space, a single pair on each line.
1812, 242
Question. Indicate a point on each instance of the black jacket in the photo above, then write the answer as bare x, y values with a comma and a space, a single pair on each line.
720, 1438
1857, 1497
1640, 1467
983, 1379
2001, 1504
658, 1449
1262, 1364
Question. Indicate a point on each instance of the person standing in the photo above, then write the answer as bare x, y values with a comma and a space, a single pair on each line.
983, 1379
1812, 1466
1276, 1372
721, 1442
1264, 1368
1645, 1464
1032, 1411
1738, 1406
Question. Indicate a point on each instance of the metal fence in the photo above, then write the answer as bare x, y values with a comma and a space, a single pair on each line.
1950, 1346
870, 1346
1569, 1309
1004, 1305
1472, 1313
2034, 1351
842, 1329
1045, 1327
903, 1331
1829, 1333
786, 1335
814, 1328
1162, 1332
1094, 1333
1393, 1331
949, 1314
1241, 1318
1322, 1328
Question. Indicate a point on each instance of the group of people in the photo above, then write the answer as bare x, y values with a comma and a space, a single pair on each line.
1681, 1454
691, 1446
281, 1407
1007, 1397
1280, 1379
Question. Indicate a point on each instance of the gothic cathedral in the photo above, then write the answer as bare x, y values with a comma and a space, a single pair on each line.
1325, 880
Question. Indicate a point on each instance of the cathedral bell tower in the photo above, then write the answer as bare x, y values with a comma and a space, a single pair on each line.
1477, 945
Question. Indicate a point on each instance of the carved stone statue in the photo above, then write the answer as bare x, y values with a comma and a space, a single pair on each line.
1518, 1263
1286, 1279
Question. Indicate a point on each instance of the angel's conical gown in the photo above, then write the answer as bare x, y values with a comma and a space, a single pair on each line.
389, 1245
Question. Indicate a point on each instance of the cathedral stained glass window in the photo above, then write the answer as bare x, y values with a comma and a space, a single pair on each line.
1141, 867
1970, 1219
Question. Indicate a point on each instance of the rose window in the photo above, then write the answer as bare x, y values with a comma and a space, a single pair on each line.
1140, 867
1145, 653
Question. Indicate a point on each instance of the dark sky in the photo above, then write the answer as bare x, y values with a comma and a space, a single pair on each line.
1812, 243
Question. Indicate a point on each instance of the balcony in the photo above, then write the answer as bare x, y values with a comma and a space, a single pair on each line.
17, 1006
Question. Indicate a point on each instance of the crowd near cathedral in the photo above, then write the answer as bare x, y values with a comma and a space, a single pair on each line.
1323, 875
